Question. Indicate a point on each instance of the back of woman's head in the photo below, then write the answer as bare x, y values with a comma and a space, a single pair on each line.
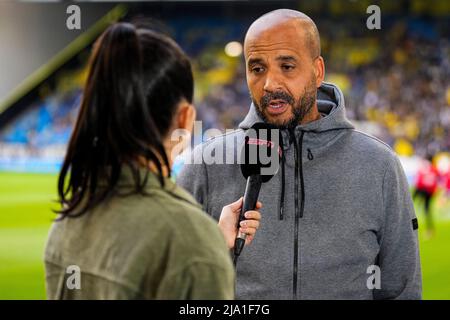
137, 77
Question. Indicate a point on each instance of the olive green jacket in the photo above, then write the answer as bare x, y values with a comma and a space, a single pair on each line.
154, 246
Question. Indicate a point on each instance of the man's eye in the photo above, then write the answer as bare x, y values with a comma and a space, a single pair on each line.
287, 67
257, 69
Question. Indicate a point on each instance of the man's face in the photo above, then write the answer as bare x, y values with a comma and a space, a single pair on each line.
280, 75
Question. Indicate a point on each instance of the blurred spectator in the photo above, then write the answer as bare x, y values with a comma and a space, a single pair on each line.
425, 188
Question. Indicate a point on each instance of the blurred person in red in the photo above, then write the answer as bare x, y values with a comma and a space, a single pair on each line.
426, 185
446, 184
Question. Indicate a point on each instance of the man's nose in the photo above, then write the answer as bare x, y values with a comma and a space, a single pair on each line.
272, 83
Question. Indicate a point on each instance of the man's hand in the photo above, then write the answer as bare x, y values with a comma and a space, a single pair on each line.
229, 219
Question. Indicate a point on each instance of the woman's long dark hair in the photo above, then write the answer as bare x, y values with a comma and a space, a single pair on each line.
136, 79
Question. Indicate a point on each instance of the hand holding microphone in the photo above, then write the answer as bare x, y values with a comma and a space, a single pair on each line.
229, 219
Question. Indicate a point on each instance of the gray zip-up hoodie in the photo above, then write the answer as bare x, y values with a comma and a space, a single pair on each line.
336, 218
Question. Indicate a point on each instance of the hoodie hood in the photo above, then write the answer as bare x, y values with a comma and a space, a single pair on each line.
330, 102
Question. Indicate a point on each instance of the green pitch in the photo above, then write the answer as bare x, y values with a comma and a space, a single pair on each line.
25, 217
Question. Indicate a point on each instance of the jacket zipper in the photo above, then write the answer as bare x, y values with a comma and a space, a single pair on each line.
302, 182
298, 213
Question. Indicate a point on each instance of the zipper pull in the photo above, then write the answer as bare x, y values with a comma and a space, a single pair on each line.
310, 155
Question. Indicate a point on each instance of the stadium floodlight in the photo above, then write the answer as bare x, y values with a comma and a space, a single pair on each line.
233, 49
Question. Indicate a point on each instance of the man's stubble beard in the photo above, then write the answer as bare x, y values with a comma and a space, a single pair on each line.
299, 110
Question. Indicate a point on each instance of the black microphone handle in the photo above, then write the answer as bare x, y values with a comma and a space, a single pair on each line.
251, 194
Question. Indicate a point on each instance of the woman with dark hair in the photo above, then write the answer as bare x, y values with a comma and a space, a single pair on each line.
125, 230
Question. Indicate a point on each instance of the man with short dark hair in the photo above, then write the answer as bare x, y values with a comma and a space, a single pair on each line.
338, 221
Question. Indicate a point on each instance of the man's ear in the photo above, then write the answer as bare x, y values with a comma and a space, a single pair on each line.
186, 116
319, 70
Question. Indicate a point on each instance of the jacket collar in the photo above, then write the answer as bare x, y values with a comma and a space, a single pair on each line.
126, 182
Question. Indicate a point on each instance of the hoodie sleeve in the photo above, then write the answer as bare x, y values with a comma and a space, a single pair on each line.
193, 177
398, 259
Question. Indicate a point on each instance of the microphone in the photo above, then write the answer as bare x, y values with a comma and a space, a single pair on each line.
260, 158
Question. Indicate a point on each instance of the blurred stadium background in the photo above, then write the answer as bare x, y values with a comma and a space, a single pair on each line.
395, 80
